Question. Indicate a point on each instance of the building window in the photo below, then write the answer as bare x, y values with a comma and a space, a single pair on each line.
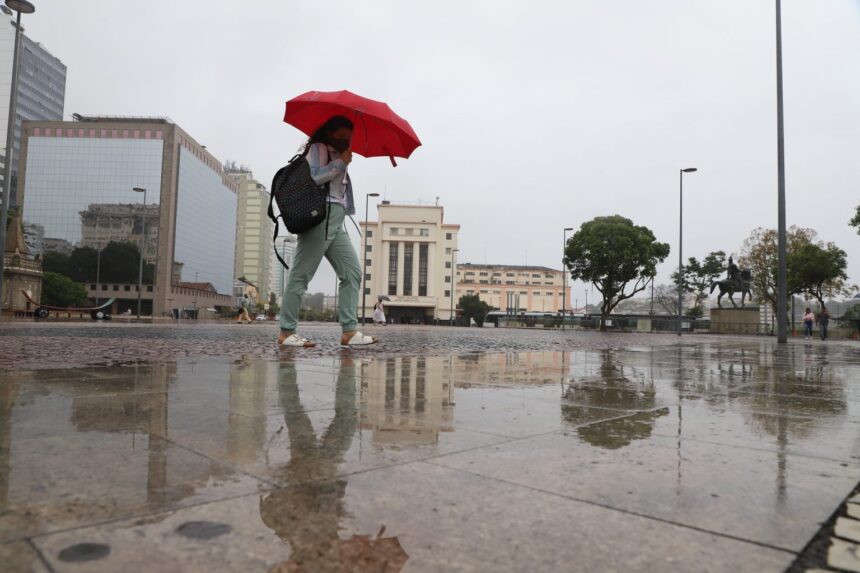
407, 269
448, 236
104, 287
148, 288
483, 282
395, 231
367, 291
392, 268
368, 233
482, 274
447, 293
92, 287
115, 287
448, 278
127, 288
410, 231
424, 232
423, 251
447, 264
367, 276
368, 248
448, 250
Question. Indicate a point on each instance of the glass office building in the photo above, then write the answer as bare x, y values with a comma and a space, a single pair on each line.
205, 224
41, 88
77, 184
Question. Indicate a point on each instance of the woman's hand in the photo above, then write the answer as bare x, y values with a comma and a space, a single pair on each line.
346, 156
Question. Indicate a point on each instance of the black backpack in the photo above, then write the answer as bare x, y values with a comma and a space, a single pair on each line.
302, 203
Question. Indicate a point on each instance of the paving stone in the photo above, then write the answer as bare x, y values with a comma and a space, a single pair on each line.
853, 510
848, 529
844, 555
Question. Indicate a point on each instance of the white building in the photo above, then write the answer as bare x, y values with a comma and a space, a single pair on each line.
410, 254
278, 275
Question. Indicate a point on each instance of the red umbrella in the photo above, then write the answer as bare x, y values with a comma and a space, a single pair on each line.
377, 132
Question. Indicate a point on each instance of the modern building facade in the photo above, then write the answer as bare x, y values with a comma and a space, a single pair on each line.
253, 230
410, 259
70, 172
278, 275
509, 287
41, 88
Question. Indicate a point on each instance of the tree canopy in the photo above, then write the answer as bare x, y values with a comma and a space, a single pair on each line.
59, 290
818, 271
698, 277
613, 254
855, 221
471, 306
119, 264
759, 254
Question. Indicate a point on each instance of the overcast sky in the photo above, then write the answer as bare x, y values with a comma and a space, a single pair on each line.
534, 116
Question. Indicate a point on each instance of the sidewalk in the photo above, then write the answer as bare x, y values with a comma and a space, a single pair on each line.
715, 454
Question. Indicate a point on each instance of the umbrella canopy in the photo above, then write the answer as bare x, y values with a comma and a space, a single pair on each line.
382, 297
377, 131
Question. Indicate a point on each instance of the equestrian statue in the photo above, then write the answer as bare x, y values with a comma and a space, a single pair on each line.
738, 281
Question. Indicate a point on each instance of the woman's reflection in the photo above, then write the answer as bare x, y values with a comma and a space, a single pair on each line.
307, 514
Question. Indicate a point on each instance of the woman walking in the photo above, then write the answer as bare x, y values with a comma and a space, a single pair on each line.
328, 153
379, 313
808, 319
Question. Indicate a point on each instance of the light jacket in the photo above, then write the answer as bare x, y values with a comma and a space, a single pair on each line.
332, 172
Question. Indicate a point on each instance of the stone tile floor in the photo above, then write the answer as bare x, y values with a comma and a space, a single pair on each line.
715, 454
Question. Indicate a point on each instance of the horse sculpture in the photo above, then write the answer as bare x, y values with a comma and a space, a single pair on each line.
731, 286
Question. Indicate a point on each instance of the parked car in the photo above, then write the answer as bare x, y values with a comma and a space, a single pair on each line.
261, 317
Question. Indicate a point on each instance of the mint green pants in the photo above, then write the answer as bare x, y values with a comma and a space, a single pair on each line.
311, 247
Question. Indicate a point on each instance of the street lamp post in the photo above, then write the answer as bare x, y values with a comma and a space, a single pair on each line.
98, 262
452, 284
681, 246
364, 264
564, 277
782, 270
142, 248
21, 7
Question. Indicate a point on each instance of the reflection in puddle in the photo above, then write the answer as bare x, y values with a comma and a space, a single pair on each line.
82, 446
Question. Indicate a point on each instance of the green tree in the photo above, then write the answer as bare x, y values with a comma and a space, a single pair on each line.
59, 290
471, 306
55, 263
120, 264
818, 270
698, 277
759, 254
855, 221
612, 253
274, 309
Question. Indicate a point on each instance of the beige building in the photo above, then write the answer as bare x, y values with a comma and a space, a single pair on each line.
527, 288
103, 223
410, 255
253, 230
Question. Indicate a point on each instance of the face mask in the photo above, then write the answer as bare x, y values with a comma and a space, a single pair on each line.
340, 145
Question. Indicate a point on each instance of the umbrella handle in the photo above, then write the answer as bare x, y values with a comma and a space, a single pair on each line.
393, 163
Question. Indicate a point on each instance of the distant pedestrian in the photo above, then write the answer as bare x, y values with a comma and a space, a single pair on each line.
379, 313
808, 319
823, 321
328, 153
244, 304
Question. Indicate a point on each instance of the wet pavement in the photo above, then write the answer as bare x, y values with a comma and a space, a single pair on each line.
709, 455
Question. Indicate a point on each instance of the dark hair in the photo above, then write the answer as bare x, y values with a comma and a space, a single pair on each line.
323, 132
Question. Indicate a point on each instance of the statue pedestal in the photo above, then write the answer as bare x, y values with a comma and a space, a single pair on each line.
740, 320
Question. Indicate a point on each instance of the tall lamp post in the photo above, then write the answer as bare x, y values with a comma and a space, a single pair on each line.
681, 247
564, 278
452, 284
98, 261
21, 7
364, 264
142, 248
782, 270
